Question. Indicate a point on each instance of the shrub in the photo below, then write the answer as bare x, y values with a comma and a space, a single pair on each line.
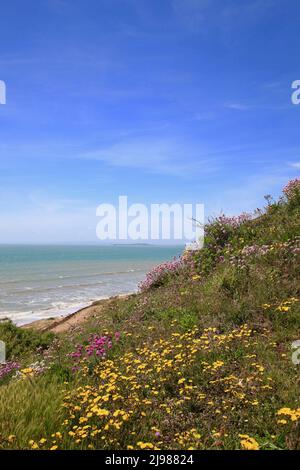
22, 342
292, 189
157, 276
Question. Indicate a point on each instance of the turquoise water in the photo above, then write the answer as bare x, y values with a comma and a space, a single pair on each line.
46, 281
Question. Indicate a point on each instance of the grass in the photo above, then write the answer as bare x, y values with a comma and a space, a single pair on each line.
203, 361
30, 410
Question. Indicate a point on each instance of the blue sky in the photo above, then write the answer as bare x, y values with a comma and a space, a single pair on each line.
161, 100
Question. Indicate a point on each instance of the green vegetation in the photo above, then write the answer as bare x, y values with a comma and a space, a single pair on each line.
200, 359
21, 343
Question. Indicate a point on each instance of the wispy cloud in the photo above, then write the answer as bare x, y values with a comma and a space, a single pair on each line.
162, 156
295, 165
238, 106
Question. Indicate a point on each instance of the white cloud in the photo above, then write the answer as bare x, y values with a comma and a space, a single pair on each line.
295, 165
162, 156
237, 106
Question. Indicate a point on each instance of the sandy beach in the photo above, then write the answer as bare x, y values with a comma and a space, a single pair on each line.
65, 323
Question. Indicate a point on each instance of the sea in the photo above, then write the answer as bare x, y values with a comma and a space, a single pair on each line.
39, 281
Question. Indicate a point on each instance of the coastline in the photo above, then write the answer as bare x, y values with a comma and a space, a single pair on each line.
64, 323
39, 282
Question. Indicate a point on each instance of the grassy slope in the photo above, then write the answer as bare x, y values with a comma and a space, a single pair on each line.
202, 360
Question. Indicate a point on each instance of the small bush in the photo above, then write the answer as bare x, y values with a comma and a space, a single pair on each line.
22, 342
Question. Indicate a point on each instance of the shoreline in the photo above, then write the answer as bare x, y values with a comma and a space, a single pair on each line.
64, 323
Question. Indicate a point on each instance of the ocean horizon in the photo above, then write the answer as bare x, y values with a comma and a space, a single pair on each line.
40, 281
